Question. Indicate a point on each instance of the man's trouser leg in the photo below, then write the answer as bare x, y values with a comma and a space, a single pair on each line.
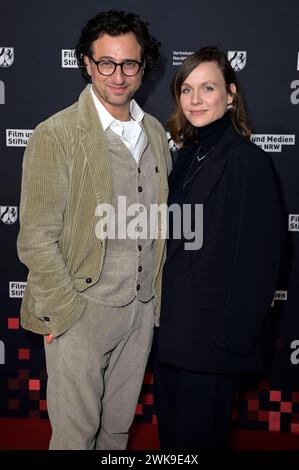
95, 372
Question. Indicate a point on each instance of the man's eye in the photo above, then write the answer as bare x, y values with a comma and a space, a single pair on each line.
106, 63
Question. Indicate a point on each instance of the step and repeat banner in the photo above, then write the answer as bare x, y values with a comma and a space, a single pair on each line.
39, 76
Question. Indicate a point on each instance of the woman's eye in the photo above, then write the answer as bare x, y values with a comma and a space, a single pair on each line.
185, 90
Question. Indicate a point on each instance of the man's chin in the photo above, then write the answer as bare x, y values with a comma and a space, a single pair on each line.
119, 100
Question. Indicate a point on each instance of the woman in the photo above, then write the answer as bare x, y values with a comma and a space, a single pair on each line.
216, 298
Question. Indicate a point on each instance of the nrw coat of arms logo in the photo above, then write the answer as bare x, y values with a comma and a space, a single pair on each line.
6, 56
237, 59
8, 214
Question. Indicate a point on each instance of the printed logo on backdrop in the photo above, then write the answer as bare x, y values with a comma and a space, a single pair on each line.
273, 142
280, 295
8, 214
16, 289
293, 222
68, 59
2, 92
171, 143
17, 137
6, 56
237, 59
178, 57
2, 353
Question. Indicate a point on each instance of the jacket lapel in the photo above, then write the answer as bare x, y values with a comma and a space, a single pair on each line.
206, 180
95, 147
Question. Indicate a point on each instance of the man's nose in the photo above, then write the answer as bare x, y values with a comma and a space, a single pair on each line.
118, 76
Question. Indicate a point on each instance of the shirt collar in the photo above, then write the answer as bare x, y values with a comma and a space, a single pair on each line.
136, 112
106, 118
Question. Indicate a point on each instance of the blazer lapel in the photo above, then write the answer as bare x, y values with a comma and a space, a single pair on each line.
95, 147
206, 180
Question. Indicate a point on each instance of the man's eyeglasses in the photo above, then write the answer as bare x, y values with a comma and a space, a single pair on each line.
129, 68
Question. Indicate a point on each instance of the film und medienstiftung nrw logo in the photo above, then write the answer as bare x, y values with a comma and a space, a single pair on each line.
16, 289
280, 295
68, 59
273, 142
293, 222
17, 137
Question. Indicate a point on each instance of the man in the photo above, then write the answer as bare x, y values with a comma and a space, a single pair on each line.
90, 292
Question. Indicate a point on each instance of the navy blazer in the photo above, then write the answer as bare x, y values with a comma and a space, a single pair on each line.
215, 300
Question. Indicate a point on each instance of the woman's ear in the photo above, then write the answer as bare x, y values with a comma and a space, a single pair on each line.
230, 95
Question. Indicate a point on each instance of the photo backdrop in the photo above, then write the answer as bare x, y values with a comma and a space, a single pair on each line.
39, 76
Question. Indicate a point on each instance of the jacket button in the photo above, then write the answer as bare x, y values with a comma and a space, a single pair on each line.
139, 171
138, 287
156, 169
140, 189
139, 247
46, 318
140, 268
88, 280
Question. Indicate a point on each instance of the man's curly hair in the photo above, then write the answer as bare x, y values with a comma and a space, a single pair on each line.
115, 23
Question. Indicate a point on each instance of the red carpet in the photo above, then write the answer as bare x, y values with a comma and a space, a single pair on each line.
34, 434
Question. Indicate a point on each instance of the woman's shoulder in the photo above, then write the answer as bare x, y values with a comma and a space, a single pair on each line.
243, 150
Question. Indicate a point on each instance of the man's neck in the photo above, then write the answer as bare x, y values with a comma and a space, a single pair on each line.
122, 113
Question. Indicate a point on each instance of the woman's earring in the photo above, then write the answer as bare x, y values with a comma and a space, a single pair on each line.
229, 106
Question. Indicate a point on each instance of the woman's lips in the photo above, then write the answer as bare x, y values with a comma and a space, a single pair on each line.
198, 112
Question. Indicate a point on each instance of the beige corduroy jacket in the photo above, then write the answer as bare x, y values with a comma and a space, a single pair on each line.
66, 174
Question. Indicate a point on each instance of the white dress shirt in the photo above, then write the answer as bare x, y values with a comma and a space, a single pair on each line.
130, 132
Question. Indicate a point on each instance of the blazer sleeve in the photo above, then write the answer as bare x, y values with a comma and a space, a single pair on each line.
45, 183
257, 258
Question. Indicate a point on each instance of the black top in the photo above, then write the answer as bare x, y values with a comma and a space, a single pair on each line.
193, 156
190, 161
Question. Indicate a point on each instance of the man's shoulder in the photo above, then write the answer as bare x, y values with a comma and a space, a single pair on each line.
154, 122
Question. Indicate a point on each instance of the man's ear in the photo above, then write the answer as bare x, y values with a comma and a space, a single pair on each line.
87, 64
142, 69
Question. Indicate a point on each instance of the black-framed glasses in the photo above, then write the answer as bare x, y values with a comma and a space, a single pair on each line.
107, 67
